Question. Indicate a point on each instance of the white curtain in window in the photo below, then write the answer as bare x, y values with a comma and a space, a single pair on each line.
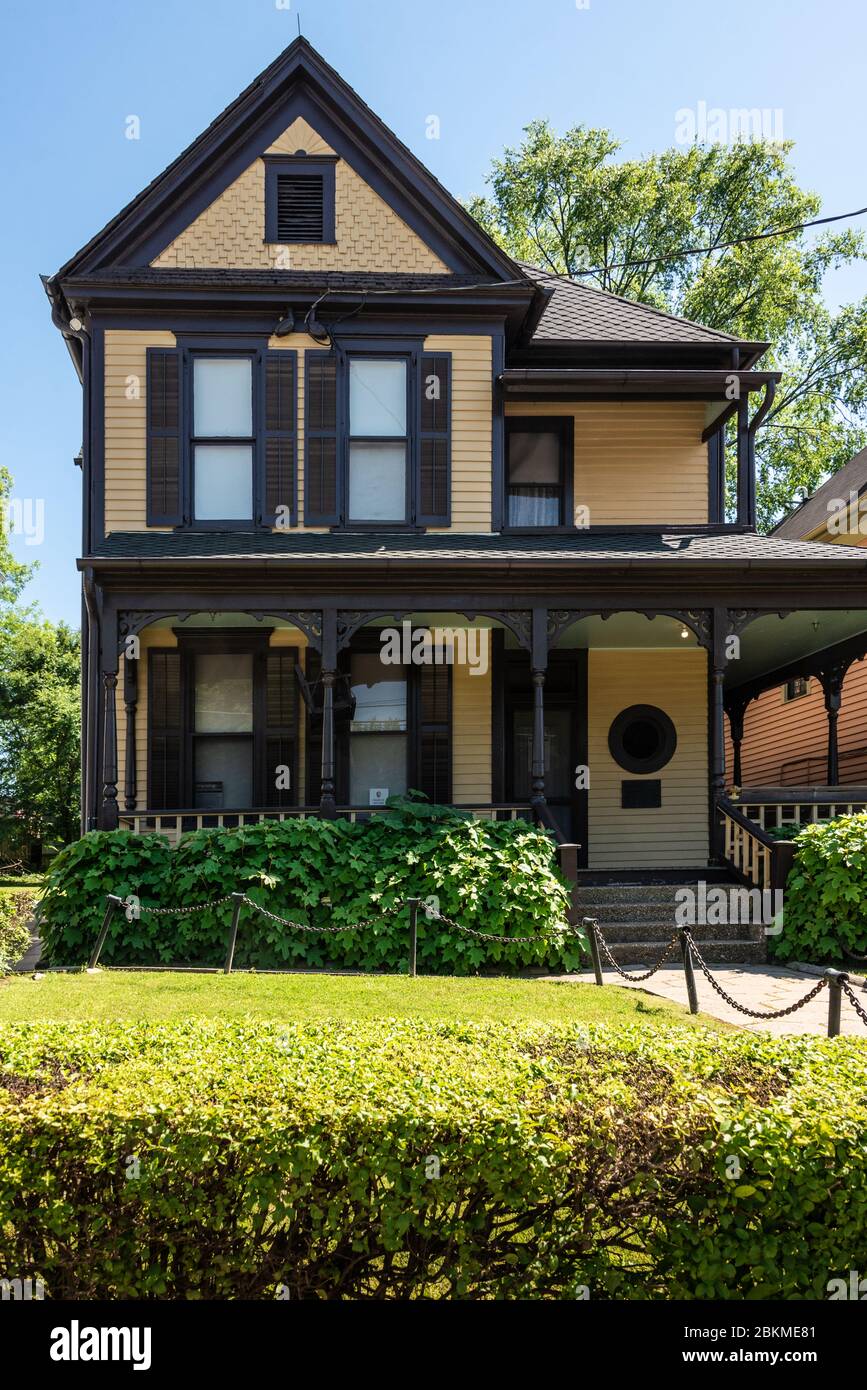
377, 397
223, 397
377, 482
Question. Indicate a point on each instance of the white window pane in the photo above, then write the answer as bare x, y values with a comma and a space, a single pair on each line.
376, 761
534, 457
534, 506
224, 482
224, 693
223, 396
377, 482
377, 397
380, 693
223, 776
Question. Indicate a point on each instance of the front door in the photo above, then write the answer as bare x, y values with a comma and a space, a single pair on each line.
565, 738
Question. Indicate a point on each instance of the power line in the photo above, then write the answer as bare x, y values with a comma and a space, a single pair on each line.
720, 246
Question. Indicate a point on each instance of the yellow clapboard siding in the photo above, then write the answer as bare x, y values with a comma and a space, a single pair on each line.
471, 736
126, 425
778, 732
677, 833
472, 385
636, 462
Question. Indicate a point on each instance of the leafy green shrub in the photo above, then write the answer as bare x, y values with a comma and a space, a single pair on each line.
825, 911
15, 911
407, 1159
496, 877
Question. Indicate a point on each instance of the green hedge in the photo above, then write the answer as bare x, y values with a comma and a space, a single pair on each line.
402, 1159
825, 907
497, 877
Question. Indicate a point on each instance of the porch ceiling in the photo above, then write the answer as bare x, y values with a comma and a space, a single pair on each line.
774, 641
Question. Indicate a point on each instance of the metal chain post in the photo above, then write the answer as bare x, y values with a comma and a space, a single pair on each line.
689, 972
238, 900
591, 926
413, 932
112, 903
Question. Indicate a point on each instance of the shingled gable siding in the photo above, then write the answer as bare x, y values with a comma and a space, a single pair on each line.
126, 426
369, 234
165, 637
677, 833
636, 462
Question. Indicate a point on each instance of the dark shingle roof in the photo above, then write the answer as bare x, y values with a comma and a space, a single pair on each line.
816, 510
736, 549
579, 312
347, 281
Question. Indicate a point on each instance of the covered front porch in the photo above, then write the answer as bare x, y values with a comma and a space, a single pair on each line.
607, 726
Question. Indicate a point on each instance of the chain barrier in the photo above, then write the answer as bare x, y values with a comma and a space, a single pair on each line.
666, 955
835, 981
850, 995
433, 914
755, 1013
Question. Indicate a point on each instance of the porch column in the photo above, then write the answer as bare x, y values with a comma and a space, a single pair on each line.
130, 700
327, 802
108, 811
832, 684
746, 482
736, 710
538, 666
717, 727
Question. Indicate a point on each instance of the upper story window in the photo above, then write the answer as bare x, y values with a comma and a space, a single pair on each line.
223, 438
538, 472
299, 198
379, 439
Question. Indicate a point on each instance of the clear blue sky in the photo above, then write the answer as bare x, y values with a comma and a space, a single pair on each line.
75, 69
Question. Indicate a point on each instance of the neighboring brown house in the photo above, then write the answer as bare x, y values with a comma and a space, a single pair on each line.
319, 403
811, 730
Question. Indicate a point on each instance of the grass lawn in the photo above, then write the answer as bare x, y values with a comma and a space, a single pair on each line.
113, 995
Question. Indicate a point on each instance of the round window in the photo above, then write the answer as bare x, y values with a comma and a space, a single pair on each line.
642, 739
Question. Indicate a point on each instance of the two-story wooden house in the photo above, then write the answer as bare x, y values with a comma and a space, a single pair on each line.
319, 402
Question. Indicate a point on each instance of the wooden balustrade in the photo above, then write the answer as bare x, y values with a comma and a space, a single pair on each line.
176, 823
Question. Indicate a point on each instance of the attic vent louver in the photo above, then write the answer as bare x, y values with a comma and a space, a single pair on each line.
300, 201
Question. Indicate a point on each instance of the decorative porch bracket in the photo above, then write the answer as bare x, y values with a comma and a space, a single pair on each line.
132, 621
832, 678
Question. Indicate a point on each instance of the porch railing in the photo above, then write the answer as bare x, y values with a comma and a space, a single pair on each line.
753, 855
772, 807
184, 821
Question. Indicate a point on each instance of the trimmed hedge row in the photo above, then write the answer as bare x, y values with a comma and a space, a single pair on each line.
403, 1159
497, 877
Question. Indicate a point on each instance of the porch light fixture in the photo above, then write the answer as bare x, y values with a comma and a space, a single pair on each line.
285, 326
684, 632
317, 330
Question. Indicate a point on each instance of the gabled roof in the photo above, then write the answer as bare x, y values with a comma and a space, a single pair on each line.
582, 313
814, 512
298, 82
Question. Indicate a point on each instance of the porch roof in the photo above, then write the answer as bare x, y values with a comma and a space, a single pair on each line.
730, 550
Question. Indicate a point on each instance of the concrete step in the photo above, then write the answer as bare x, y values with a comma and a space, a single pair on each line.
633, 892
662, 931
643, 954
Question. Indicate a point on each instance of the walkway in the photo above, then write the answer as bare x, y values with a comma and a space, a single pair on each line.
761, 987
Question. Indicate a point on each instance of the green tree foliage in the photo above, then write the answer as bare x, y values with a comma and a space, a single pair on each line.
39, 730
13, 574
567, 204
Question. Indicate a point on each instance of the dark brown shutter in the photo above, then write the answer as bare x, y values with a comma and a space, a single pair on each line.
434, 503
279, 439
321, 506
164, 454
165, 730
281, 725
434, 733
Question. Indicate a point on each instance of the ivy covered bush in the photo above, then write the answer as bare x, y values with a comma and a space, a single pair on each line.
825, 907
408, 1159
496, 877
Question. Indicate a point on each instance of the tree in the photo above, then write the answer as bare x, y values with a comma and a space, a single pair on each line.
565, 203
40, 704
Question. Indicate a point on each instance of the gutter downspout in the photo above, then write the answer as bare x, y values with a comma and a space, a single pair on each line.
767, 402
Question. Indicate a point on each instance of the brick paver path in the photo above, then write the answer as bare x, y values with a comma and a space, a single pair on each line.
763, 987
